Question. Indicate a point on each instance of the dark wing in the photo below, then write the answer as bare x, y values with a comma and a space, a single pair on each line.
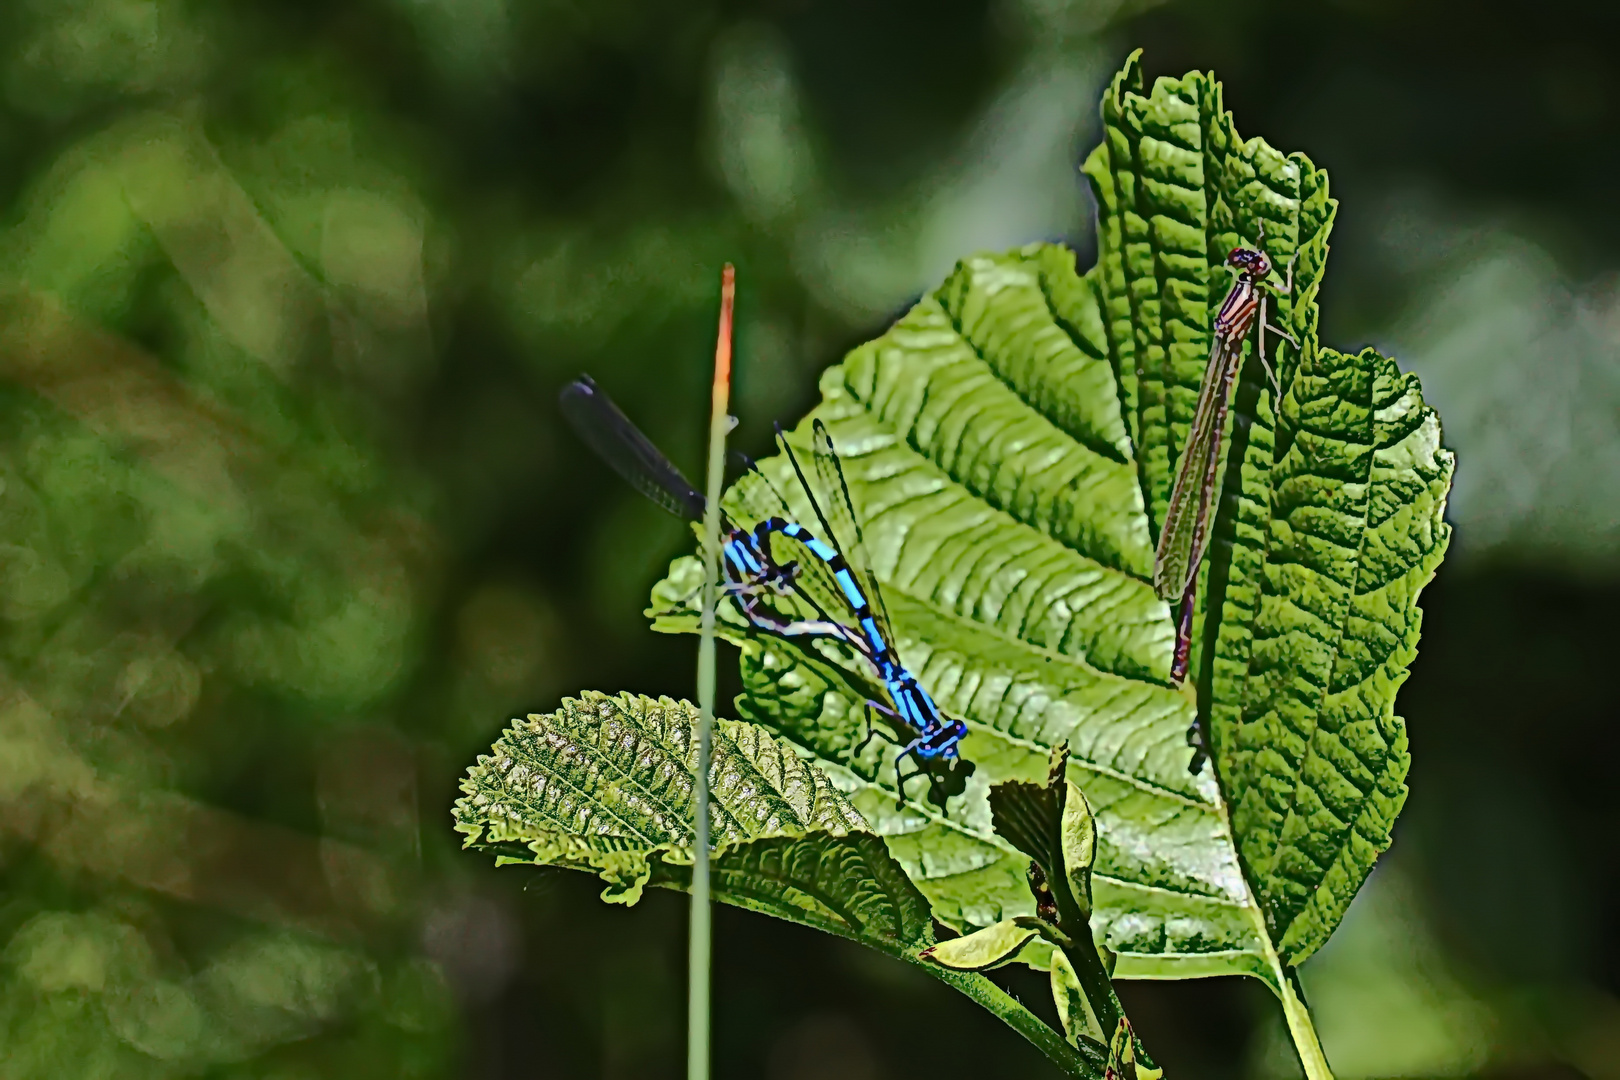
621, 444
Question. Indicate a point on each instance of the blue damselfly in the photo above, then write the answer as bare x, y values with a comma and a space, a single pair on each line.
933, 734
753, 574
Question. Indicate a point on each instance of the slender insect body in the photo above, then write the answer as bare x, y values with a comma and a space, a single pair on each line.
1184, 538
879, 650
935, 735
829, 555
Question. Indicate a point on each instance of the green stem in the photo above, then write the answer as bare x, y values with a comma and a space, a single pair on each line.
1302, 1030
700, 937
1094, 980
1074, 919
1049, 1042
1083, 956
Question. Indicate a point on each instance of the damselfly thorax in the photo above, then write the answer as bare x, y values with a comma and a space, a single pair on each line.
1238, 310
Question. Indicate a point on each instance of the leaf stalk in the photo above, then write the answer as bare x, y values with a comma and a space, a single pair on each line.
1300, 1028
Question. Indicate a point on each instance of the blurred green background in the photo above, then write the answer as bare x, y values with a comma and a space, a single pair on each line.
289, 527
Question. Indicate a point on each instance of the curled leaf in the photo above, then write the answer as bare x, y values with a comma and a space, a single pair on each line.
983, 949
1075, 1012
1077, 833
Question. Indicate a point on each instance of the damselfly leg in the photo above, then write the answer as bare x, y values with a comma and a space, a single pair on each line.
873, 705
1265, 324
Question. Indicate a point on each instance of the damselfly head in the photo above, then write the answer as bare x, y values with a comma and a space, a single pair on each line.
1249, 261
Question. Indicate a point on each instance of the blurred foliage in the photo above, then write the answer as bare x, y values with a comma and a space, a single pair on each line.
290, 531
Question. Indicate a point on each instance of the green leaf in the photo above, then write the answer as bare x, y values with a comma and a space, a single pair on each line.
1077, 836
1010, 444
1331, 520
1020, 598
1053, 824
984, 949
604, 785
1029, 816
1074, 1010
1311, 752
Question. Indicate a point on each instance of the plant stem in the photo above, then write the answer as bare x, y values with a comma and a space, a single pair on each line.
697, 1006
1073, 1062
1075, 921
1087, 963
1094, 980
1306, 1044
1300, 1028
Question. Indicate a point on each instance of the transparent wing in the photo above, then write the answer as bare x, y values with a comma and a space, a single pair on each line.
845, 526
617, 441
757, 499
754, 496
1185, 536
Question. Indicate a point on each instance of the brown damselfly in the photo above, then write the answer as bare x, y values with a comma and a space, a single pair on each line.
1187, 518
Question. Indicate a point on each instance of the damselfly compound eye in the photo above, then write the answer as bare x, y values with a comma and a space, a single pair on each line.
1249, 260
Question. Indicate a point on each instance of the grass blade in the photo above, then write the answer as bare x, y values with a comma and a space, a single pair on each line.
697, 1020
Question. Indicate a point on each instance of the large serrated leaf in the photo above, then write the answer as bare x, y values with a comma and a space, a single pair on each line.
1311, 751
604, 784
1010, 445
